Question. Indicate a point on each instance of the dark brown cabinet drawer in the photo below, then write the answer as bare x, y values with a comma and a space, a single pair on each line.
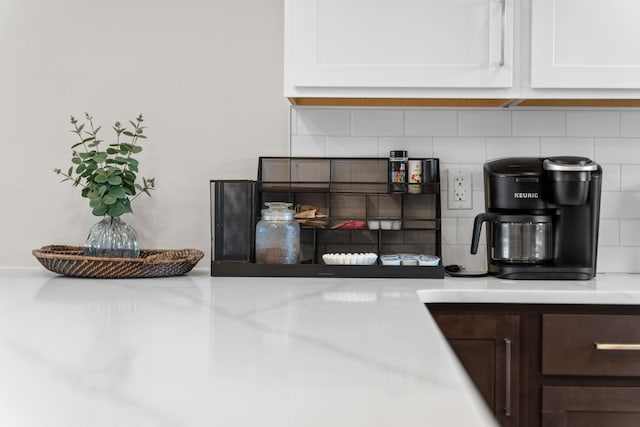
595, 345
590, 406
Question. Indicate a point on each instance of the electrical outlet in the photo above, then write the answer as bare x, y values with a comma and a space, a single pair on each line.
459, 193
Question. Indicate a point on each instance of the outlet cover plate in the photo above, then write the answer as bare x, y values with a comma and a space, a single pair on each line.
459, 189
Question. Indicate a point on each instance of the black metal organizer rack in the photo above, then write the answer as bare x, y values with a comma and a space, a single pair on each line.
343, 189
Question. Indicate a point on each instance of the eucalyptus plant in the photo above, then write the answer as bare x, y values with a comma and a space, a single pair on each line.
107, 177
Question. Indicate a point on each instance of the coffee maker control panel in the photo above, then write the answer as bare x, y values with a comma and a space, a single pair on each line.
514, 184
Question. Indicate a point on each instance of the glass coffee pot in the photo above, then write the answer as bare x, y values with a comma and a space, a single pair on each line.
516, 238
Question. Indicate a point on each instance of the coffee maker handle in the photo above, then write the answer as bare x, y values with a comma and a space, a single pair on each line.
477, 229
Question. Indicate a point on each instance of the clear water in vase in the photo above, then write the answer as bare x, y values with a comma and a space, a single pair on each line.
112, 238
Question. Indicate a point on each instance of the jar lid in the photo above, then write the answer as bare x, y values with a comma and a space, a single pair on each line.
398, 153
278, 211
278, 206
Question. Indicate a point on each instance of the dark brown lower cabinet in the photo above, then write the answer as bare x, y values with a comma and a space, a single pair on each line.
550, 365
488, 346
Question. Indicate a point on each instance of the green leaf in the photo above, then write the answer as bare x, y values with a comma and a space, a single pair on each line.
100, 157
76, 145
128, 179
117, 192
102, 190
127, 133
118, 209
93, 194
115, 180
135, 149
81, 168
96, 202
108, 199
111, 151
91, 138
100, 179
100, 211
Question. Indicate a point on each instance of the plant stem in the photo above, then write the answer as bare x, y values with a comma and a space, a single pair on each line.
95, 140
79, 132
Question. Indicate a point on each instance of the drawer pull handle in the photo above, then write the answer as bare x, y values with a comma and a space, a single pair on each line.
507, 406
615, 346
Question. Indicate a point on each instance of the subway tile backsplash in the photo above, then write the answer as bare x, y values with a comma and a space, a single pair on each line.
466, 138
539, 123
593, 123
485, 123
377, 123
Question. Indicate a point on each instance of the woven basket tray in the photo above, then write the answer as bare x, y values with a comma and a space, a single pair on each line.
70, 261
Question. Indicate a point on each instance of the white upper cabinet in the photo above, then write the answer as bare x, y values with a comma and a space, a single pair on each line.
492, 52
398, 44
585, 44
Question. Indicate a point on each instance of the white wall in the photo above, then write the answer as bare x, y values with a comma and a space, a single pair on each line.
206, 74
468, 137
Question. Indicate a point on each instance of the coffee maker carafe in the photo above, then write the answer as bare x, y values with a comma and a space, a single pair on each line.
542, 217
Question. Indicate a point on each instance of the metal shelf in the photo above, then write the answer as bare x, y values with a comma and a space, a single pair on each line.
343, 189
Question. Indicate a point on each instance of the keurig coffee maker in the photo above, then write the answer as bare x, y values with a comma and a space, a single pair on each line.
542, 217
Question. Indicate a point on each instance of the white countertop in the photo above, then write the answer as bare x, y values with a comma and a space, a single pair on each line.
202, 351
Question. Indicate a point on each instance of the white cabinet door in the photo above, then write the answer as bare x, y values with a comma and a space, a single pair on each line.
590, 44
399, 43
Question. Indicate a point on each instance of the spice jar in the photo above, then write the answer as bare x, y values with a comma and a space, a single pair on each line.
277, 235
415, 176
398, 171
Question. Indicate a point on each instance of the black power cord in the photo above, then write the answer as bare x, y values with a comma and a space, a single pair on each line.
455, 270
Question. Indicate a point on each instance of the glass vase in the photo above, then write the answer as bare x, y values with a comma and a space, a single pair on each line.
112, 238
